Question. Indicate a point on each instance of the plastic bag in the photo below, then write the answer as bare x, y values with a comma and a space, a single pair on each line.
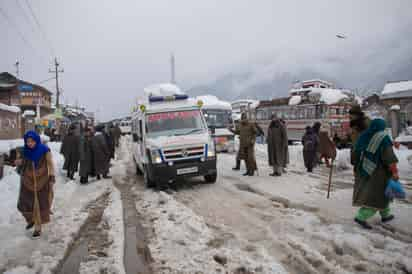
394, 190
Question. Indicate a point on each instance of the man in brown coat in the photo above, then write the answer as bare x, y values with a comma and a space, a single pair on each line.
247, 134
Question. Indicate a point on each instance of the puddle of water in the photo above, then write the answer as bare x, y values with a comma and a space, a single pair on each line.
72, 264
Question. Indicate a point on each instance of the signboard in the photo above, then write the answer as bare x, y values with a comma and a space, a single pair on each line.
25, 87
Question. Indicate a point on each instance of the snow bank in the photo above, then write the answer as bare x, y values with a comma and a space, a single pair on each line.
165, 89
7, 145
397, 86
9, 108
329, 96
211, 101
295, 100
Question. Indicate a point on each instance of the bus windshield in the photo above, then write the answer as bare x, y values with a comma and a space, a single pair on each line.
174, 123
218, 118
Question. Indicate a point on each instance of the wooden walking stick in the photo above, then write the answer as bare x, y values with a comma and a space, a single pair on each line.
330, 178
36, 205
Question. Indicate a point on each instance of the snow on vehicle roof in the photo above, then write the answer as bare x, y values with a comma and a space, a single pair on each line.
392, 87
9, 108
295, 100
211, 101
164, 89
328, 95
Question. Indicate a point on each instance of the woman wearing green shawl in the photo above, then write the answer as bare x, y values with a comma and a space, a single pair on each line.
375, 164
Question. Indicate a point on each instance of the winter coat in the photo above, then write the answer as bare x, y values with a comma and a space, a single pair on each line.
70, 151
44, 188
110, 143
370, 191
247, 137
86, 157
326, 147
277, 144
310, 143
101, 153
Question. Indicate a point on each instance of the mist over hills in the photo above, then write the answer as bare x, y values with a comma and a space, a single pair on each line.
273, 76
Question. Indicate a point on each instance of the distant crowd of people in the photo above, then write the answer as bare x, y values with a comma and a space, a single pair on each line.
89, 153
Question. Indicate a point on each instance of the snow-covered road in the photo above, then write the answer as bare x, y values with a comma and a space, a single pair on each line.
258, 224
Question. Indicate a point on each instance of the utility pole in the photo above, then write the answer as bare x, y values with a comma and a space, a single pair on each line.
57, 71
172, 69
17, 64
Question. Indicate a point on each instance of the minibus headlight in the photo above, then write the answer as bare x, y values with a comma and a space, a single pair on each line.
211, 149
156, 157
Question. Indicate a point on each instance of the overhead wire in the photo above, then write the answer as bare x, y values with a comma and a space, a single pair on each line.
20, 33
26, 18
43, 33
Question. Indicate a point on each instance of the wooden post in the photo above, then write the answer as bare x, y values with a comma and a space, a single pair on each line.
330, 178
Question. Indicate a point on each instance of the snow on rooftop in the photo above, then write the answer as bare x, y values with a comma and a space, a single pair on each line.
211, 101
9, 108
29, 113
295, 100
165, 89
393, 87
328, 95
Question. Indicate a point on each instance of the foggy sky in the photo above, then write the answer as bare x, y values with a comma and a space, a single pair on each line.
110, 50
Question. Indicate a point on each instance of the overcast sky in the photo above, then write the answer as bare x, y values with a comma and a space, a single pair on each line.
110, 49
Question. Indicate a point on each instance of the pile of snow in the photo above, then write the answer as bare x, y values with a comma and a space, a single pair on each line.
9, 108
397, 87
295, 100
343, 159
328, 95
404, 139
211, 101
7, 145
183, 242
165, 89
29, 113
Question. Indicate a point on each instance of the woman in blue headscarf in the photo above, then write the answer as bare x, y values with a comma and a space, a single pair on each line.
37, 179
375, 164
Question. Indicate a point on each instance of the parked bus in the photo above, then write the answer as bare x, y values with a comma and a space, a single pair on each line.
307, 105
218, 115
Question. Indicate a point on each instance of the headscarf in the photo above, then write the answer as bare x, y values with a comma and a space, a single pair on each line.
370, 145
34, 154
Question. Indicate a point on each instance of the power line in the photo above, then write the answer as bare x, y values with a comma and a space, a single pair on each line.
19, 32
44, 81
33, 14
25, 15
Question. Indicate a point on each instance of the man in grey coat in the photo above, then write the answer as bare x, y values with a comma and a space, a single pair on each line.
277, 146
